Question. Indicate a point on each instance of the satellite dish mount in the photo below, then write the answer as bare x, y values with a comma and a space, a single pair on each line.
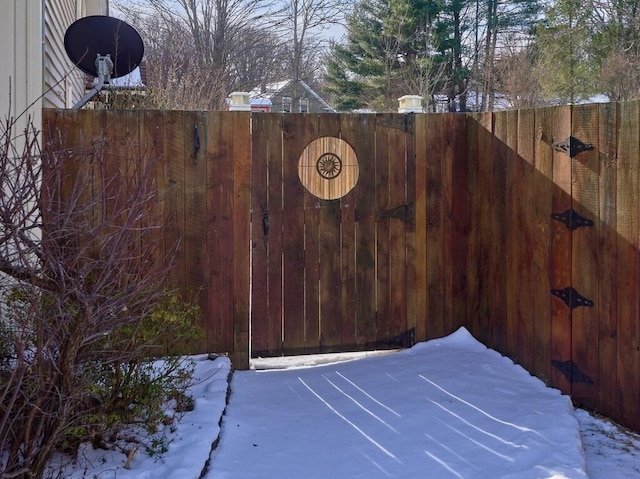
104, 67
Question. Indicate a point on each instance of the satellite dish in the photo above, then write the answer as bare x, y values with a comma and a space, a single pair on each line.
104, 47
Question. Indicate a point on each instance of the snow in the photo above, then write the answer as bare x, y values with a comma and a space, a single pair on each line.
447, 408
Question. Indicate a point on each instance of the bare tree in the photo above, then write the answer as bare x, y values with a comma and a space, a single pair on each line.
517, 76
80, 257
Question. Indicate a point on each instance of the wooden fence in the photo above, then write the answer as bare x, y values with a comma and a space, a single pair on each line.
497, 222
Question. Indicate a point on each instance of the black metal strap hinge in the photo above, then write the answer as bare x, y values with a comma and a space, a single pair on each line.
571, 219
572, 298
571, 372
406, 213
571, 146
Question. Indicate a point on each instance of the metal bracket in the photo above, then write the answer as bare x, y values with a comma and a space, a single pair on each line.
196, 143
403, 122
571, 297
572, 219
571, 146
571, 372
406, 213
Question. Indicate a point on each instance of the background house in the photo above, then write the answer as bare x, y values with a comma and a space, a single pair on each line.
290, 96
35, 72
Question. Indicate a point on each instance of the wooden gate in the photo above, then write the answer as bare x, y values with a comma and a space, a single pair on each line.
331, 274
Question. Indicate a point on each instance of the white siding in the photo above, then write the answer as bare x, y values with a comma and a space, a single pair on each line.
63, 82
20, 58
33, 63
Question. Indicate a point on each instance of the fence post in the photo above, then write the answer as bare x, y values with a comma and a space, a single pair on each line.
410, 104
239, 101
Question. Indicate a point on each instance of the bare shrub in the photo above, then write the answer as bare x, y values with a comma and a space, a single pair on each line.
82, 263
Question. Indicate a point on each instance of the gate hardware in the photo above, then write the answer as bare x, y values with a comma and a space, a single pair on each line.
572, 219
571, 372
265, 225
403, 340
571, 146
406, 213
571, 297
196, 143
403, 122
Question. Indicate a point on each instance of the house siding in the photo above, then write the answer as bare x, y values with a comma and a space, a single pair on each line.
33, 61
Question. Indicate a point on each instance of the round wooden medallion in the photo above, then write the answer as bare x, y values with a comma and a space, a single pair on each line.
328, 168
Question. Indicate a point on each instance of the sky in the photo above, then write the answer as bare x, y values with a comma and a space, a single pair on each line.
447, 408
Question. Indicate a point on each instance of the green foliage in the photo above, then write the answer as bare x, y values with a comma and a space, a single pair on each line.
144, 392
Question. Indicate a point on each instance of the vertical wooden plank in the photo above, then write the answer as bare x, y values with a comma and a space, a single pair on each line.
420, 256
349, 130
195, 189
513, 229
174, 176
484, 239
459, 220
295, 139
365, 146
409, 226
260, 226
474, 239
435, 238
331, 291
628, 224
447, 174
275, 279
241, 154
498, 298
541, 276
397, 161
561, 254
152, 149
606, 301
220, 241
585, 267
525, 219
382, 226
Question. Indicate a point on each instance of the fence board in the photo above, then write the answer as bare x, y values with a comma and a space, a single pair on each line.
514, 228
241, 156
459, 220
498, 278
365, 242
397, 286
420, 255
542, 254
561, 252
585, 253
435, 238
628, 224
526, 222
259, 238
275, 241
195, 200
606, 300
382, 226
219, 231
296, 138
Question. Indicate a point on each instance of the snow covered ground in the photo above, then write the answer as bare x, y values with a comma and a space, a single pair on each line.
447, 408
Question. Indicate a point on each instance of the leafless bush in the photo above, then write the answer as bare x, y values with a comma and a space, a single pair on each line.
80, 259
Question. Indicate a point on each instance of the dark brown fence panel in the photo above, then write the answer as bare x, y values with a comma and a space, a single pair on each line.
542, 197
561, 254
606, 302
586, 267
627, 264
